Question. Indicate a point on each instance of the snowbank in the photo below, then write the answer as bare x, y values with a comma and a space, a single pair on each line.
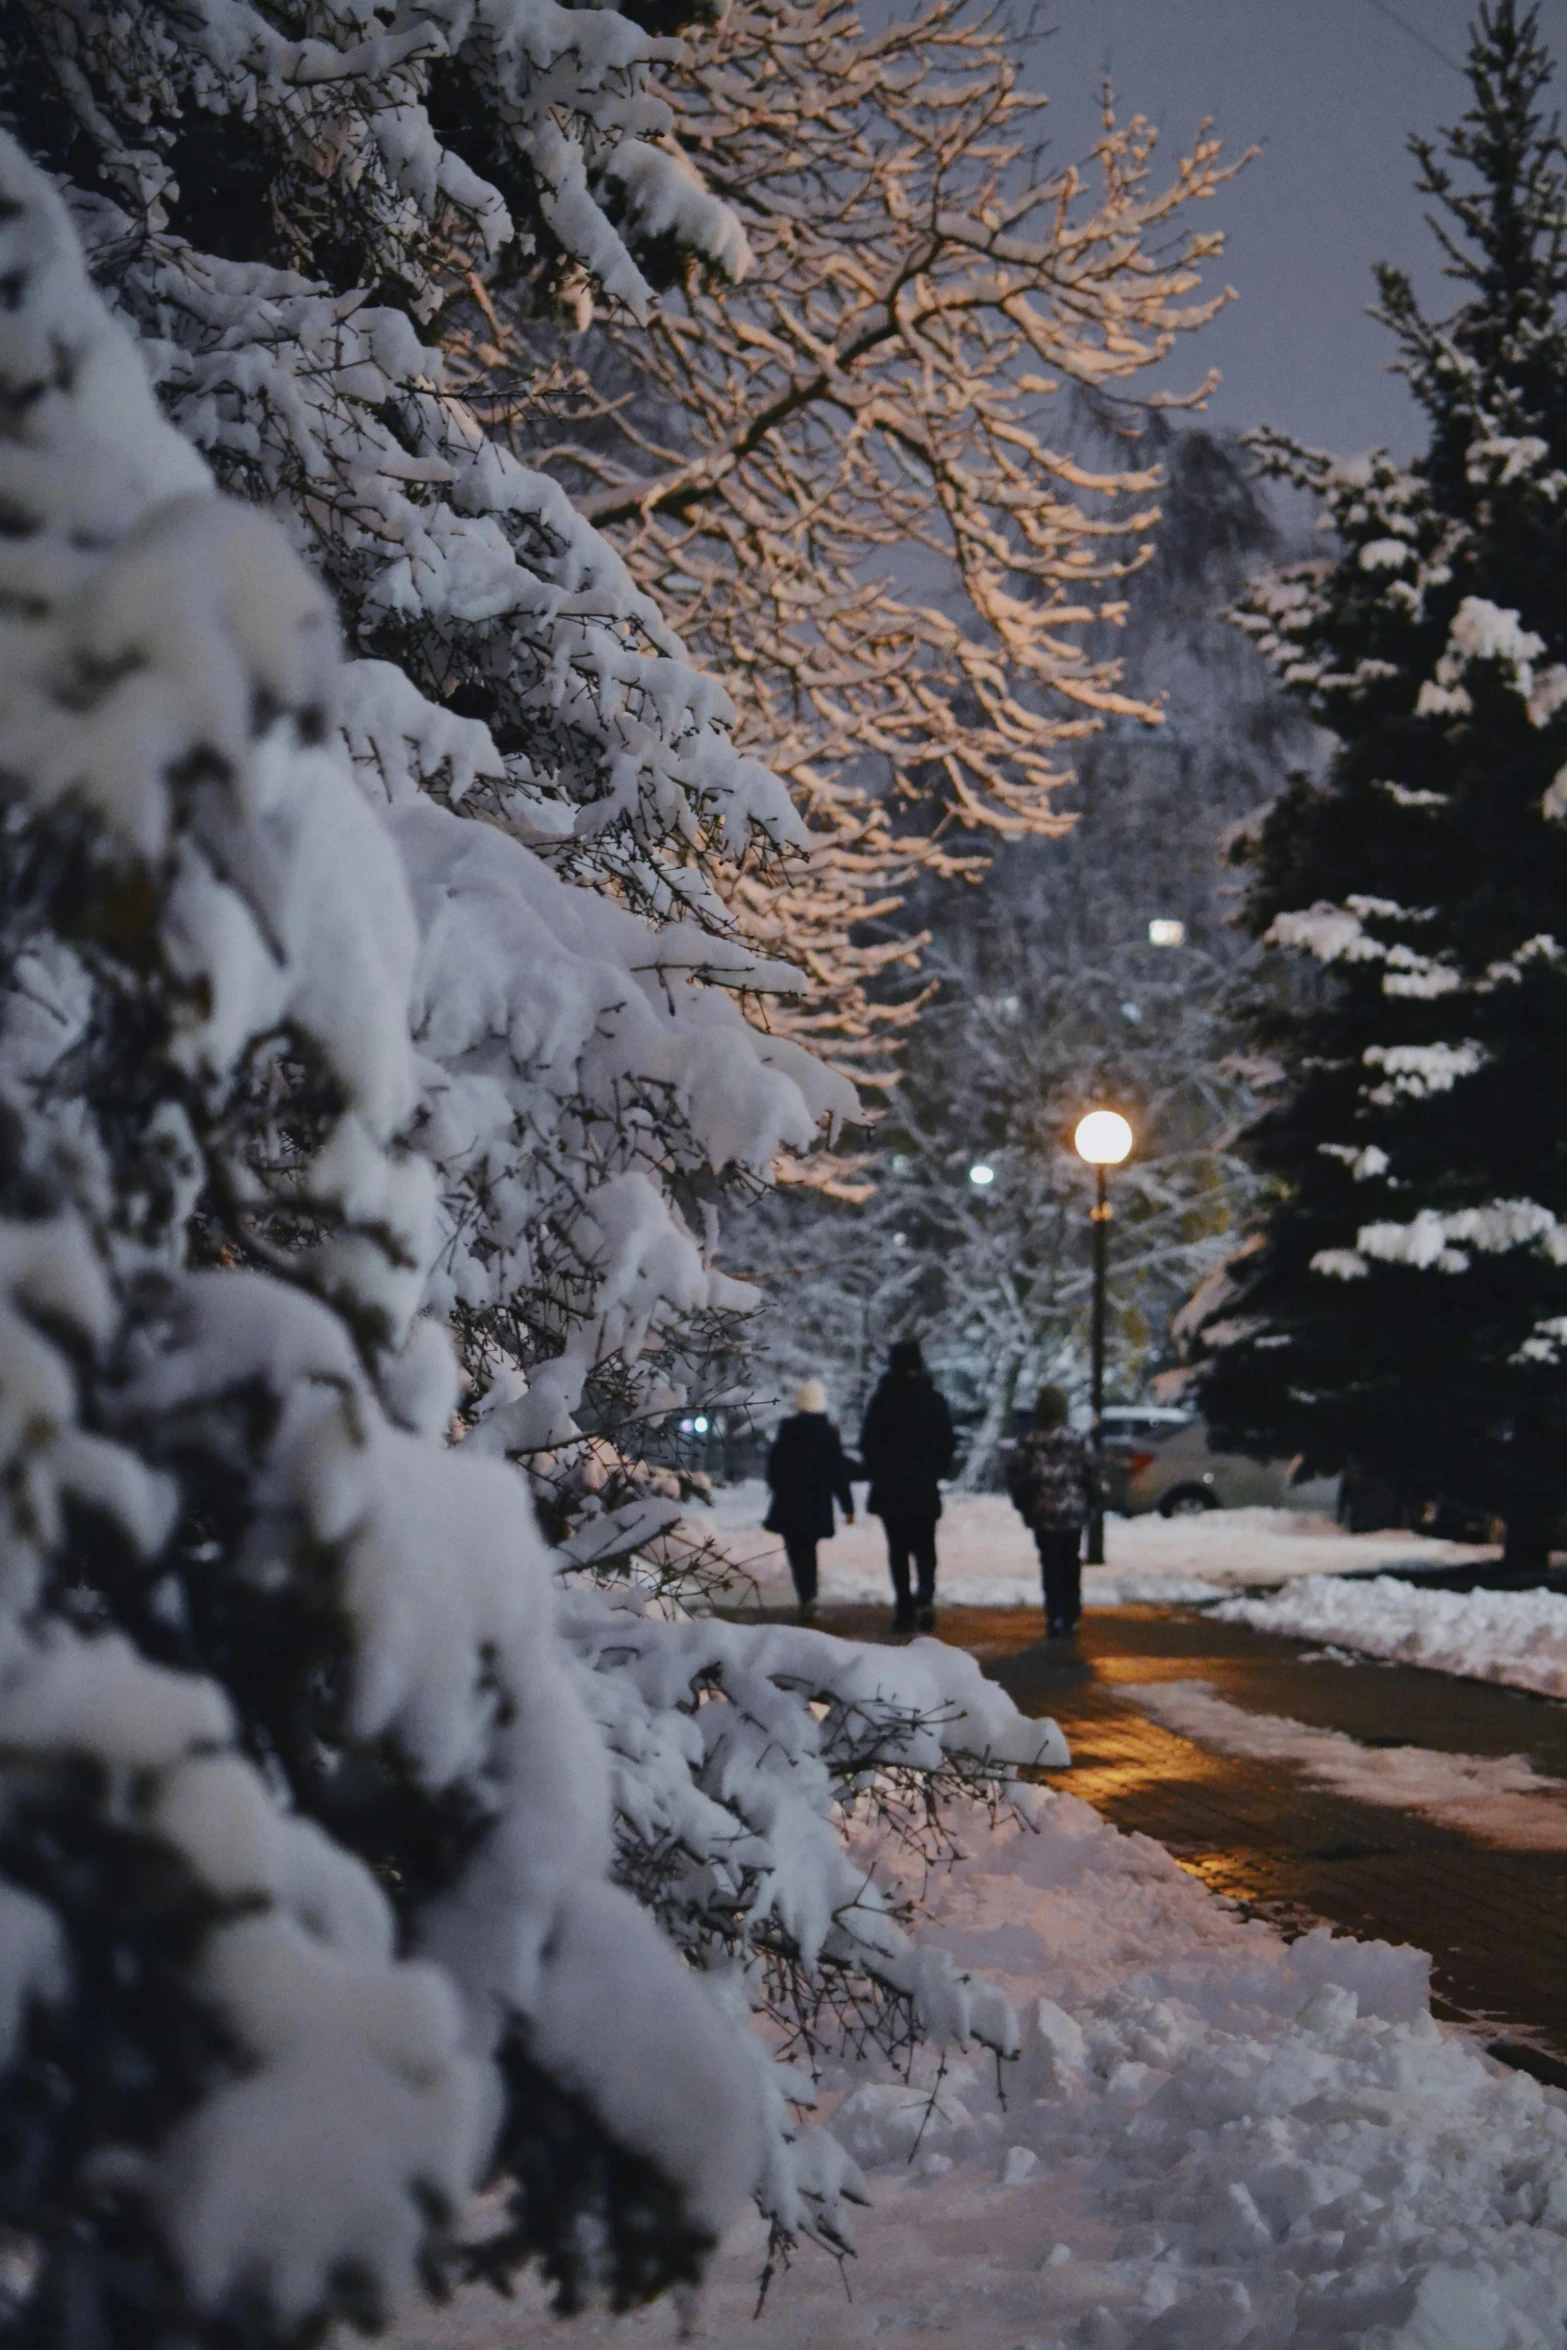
1518, 1637
987, 1558
1211, 2138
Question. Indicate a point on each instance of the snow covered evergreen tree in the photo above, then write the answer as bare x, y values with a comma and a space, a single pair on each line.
1404, 1303
316, 1789
305, 1839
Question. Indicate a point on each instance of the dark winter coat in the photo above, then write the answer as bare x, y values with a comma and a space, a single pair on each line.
807, 1470
906, 1445
1053, 1480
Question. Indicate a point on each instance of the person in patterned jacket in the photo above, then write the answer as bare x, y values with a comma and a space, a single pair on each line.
1054, 1484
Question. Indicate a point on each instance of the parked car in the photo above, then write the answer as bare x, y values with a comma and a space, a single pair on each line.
1158, 1457
1368, 1503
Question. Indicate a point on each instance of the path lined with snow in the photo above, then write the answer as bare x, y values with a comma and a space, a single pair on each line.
1498, 1799
987, 1558
1211, 2140
1516, 1637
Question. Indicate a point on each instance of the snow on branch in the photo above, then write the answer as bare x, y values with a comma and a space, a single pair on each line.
1338, 934
1441, 1241
1416, 1071
741, 1756
576, 129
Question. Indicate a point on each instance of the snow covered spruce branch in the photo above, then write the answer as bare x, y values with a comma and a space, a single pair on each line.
757, 1773
889, 377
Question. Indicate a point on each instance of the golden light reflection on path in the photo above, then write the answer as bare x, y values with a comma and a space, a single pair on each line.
1263, 1832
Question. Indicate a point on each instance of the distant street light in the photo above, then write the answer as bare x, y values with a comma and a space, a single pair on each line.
1103, 1139
982, 1176
1165, 933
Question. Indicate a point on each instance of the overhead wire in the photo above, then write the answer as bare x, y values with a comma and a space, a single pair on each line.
1383, 8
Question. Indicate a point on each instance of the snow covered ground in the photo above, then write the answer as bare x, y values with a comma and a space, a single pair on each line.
1517, 1637
986, 1555
1212, 2139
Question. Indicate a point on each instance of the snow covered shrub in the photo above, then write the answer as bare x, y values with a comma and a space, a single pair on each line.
305, 1832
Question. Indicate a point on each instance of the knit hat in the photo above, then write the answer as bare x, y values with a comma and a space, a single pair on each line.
810, 1396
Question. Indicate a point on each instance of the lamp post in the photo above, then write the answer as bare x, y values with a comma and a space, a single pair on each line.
1103, 1139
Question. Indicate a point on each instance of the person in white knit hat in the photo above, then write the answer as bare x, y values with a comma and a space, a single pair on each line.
807, 1471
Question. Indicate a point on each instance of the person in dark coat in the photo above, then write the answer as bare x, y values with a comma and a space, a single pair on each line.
807, 1471
1054, 1483
907, 1445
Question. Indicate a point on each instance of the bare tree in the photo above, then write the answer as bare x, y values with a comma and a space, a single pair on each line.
996, 1270
1049, 995
849, 479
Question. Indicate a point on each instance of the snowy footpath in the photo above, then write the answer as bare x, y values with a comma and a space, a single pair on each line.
1211, 2140
987, 1558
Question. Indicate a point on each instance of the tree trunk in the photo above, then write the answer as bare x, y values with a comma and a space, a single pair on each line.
985, 1448
1527, 1547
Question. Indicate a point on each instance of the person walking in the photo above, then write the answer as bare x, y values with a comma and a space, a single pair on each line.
907, 1445
1054, 1483
807, 1471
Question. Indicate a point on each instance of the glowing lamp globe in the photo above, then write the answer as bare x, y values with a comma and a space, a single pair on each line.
1103, 1138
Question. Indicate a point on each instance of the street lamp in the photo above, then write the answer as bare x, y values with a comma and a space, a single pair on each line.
1103, 1139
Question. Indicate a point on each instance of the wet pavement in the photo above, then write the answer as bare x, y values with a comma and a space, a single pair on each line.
1266, 1834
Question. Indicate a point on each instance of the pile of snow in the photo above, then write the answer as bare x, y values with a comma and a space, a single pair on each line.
1211, 2138
1518, 1637
986, 1555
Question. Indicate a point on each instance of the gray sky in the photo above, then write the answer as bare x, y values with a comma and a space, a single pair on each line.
1328, 89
